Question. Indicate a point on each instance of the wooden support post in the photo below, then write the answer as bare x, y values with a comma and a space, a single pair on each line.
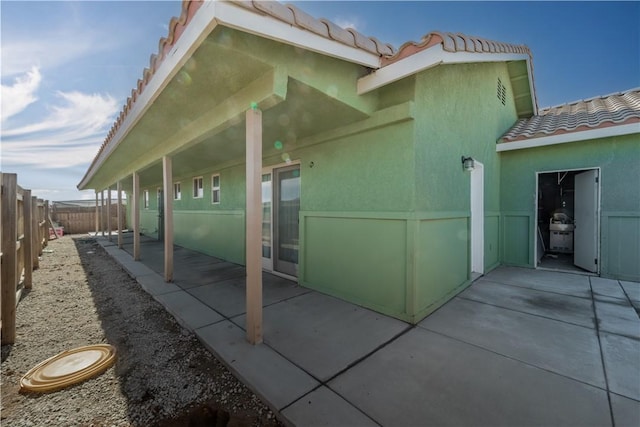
254, 225
109, 213
97, 214
119, 214
102, 213
167, 174
9, 261
135, 216
47, 220
27, 211
35, 225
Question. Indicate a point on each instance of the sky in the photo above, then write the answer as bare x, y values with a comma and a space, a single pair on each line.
67, 68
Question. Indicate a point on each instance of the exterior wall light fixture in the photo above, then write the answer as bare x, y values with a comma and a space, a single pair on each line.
468, 164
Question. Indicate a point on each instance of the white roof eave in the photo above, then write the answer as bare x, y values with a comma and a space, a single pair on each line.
429, 58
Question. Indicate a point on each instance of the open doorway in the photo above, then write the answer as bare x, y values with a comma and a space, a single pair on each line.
567, 219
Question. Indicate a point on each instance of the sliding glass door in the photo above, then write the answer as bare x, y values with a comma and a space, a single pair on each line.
280, 229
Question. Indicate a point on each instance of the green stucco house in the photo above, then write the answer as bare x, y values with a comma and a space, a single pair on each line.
389, 178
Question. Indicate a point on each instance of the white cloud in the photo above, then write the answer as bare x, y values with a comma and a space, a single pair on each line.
47, 53
68, 136
349, 22
21, 94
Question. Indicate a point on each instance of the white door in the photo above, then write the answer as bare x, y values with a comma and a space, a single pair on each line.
586, 233
477, 218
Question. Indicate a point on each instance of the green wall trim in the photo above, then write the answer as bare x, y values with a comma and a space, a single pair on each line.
516, 229
413, 229
424, 312
428, 253
216, 212
417, 216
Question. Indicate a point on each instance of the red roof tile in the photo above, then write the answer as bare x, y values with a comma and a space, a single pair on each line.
293, 16
454, 42
610, 110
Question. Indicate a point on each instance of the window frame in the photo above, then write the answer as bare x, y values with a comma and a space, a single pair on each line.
177, 195
145, 199
215, 188
198, 190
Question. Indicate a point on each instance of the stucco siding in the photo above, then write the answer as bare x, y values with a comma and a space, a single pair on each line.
458, 113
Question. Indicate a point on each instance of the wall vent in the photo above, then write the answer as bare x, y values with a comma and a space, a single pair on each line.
502, 92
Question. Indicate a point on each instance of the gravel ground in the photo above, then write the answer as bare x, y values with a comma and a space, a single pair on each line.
162, 376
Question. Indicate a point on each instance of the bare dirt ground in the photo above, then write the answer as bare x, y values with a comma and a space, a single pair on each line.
162, 376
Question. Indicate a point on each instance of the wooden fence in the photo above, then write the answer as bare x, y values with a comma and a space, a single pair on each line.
23, 235
82, 219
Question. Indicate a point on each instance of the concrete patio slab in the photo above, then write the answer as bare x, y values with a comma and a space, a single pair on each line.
607, 287
191, 313
155, 284
132, 267
578, 311
566, 349
323, 407
208, 275
268, 374
618, 317
228, 297
324, 335
632, 289
622, 361
551, 281
423, 377
626, 412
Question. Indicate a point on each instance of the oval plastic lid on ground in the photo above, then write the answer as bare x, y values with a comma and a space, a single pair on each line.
69, 367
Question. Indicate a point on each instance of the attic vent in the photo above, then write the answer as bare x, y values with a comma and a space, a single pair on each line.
502, 92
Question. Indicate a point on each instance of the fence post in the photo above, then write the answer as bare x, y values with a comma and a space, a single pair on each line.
45, 241
9, 261
35, 235
28, 238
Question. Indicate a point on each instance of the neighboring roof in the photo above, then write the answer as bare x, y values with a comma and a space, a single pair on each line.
610, 115
610, 110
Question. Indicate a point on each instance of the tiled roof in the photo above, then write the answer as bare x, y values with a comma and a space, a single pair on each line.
454, 42
293, 16
610, 110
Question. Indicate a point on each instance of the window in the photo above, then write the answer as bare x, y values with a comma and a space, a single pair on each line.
215, 189
198, 191
177, 192
145, 199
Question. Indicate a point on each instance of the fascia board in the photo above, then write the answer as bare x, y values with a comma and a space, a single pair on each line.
202, 23
570, 137
265, 26
426, 59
